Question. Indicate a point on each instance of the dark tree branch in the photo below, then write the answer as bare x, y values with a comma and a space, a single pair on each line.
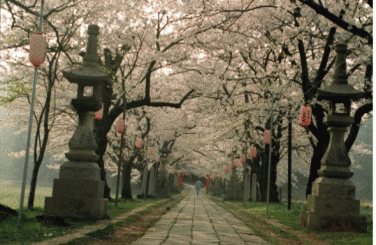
338, 20
360, 112
324, 61
307, 86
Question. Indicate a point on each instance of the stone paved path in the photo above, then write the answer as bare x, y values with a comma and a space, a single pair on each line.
196, 220
99, 225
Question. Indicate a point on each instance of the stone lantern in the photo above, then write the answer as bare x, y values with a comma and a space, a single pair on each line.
332, 205
233, 189
79, 190
162, 185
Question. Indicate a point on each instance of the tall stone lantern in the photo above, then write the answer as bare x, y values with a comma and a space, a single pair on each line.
79, 190
162, 185
332, 205
233, 186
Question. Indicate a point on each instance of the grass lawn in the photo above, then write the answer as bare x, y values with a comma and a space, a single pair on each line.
279, 211
31, 230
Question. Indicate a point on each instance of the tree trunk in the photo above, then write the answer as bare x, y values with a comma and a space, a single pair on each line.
318, 153
274, 195
33, 185
102, 145
126, 190
263, 175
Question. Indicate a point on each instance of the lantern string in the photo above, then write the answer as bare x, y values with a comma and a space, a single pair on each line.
30, 126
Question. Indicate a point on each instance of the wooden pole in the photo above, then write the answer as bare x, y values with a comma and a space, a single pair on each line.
121, 150
270, 155
24, 177
289, 164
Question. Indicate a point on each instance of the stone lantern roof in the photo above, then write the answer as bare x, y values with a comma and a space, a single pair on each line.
340, 90
89, 74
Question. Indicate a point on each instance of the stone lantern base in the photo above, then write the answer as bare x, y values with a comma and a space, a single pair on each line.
162, 185
78, 193
332, 207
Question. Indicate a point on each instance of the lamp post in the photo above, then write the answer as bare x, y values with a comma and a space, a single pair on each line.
332, 205
37, 55
121, 130
289, 160
268, 139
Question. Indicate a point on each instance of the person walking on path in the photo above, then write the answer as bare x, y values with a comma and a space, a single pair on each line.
198, 187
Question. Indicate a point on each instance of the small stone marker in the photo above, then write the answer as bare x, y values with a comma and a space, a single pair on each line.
175, 186
247, 187
144, 182
254, 187
151, 183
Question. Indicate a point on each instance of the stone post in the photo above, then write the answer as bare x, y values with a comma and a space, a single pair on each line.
254, 187
175, 186
332, 205
144, 183
247, 185
79, 191
151, 186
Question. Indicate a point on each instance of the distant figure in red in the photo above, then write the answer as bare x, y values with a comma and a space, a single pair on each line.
198, 187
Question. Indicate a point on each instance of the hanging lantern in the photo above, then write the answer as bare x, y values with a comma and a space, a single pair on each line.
267, 137
181, 180
138, 143
253, 152
305, 115
99, 114
150, 150
37, 51
207, 181
242, 158
236, 162
157, 159
120, 127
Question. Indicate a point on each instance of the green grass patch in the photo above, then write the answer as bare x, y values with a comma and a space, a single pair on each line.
32, 231
10, 195
279, 211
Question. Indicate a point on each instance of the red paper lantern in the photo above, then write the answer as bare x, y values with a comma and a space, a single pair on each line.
150, 150
267, 137
99, 114
242, 158
37, 49
138, 143
236, 162
305, 115
207, 181
253, 152
181, 180
120, 127
157, 159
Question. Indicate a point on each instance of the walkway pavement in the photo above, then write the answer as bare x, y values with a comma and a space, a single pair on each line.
196, 220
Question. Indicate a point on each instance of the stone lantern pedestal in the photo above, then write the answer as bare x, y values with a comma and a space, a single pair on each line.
332, 205
78, 192
162, 183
